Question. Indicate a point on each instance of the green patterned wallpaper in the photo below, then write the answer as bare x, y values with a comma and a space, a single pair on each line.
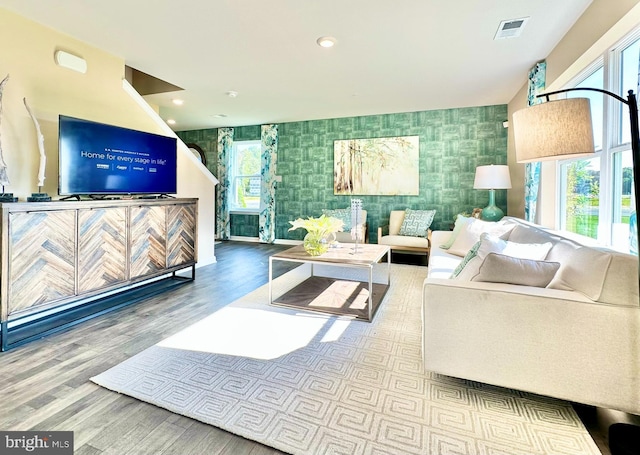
241, 225
452, 143
207, 140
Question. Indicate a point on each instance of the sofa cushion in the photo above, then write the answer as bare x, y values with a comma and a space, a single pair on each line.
441, 263
499, 268
470, 233
584, 270
416, 223
562, 246
527, 234
404, 240
623, 269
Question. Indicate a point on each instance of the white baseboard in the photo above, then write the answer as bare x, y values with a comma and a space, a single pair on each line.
241, 238
287, 242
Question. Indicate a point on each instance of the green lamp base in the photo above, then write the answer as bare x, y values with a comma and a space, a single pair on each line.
491, 213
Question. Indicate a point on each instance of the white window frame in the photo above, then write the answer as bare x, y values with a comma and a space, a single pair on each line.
234, 178
612, 120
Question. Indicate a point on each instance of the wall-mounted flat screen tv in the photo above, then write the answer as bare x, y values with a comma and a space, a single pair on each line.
96, 158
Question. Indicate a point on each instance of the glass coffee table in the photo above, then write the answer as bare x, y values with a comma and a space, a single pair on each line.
347, 280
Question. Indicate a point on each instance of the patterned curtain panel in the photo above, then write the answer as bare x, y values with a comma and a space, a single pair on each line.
267, 221
537, 78
225, 145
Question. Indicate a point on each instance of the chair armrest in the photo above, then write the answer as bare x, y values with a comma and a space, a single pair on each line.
429, 231
383, 230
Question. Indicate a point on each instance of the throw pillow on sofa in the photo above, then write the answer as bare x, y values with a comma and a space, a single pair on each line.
499, 268
494, 244
457, 227
487, 244
583, 270
470, 233
416, 223
471, 255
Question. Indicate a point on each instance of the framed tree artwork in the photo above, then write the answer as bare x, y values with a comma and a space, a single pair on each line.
379, 166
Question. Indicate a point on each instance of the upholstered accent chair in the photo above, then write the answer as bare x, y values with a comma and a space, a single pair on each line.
411, 234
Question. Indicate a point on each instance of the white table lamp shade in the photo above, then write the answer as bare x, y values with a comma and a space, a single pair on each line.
492, 177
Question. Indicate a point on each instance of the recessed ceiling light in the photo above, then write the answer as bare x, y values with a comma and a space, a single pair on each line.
171, 121
326, 41
220, 115
232, 93
178, 102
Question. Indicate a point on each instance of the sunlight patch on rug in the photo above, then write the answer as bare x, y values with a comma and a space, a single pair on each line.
233, 331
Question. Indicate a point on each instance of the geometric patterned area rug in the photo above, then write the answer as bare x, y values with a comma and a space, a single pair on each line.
308, 383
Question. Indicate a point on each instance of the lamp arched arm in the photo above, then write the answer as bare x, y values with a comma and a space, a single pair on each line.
606, 92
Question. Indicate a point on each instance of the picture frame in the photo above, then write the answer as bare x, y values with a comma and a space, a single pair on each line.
377, 166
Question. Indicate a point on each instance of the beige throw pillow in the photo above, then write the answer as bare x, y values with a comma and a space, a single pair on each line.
584, 270
498, 268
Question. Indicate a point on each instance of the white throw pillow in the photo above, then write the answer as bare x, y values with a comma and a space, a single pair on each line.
494, 244
470, 265
470, 233
460, 221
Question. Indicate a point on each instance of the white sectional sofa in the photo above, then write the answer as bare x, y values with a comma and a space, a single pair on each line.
579, 341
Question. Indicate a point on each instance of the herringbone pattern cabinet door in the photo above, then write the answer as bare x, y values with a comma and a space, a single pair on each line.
42, 264
148, 240
102, 252
181, 234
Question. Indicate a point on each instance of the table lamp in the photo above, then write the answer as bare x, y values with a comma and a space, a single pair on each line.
492, 178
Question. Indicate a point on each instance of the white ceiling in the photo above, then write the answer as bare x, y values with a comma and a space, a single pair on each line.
391, 55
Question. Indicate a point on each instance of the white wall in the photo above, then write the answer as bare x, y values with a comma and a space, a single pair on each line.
27, 51
602, 24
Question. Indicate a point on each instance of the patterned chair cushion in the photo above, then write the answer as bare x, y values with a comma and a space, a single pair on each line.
416, 222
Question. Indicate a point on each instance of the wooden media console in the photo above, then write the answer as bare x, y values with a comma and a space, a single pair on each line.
65, 261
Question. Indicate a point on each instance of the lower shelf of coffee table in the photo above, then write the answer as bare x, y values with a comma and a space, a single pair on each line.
334, 296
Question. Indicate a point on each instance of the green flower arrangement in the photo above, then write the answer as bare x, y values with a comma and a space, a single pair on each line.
319, 231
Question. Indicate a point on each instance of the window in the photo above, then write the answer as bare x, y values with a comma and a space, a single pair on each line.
623, 200
581, 184
580, 179
245, 177
596, 194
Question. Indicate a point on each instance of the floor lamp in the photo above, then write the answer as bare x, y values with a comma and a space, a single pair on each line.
560, 129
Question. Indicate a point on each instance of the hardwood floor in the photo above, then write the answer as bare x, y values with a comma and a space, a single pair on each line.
45, 384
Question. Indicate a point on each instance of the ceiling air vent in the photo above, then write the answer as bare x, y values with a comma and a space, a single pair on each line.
511, 28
